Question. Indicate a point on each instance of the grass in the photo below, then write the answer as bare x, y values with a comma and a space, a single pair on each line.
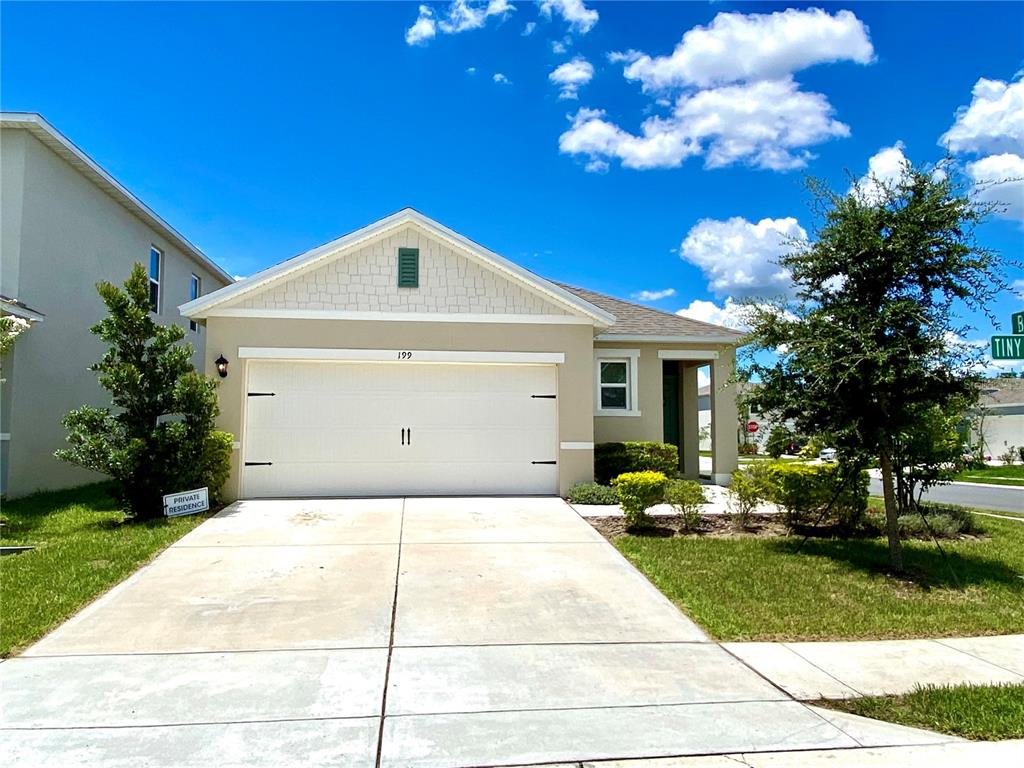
83, 547
756, 588
1006, 475
984, 712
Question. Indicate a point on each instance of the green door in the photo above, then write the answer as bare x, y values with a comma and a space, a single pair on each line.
670, 401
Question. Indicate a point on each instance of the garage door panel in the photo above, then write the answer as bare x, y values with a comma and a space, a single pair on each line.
336, 429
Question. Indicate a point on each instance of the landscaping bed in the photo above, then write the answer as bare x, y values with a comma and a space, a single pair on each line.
982, 712
764, 585
82, 547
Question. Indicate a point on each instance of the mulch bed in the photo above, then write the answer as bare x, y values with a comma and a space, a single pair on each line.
714, 526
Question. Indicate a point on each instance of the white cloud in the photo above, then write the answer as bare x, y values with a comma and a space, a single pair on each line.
766, 124
1017, 286
739, 258
993, 123
423, 29
738, 47
461, 16
999, 179
885, 167
528, 29
501, 79
571, 75
470, 70
559, 46
580, 18
654, 295
729, 314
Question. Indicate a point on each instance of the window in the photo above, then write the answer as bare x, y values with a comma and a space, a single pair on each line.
408, 267
614, 385
156, 263
194, 289
615, 382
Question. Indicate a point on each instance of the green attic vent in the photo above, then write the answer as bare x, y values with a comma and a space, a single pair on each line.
408, 267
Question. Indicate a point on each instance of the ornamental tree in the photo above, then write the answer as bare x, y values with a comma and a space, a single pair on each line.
867, 351
157, 436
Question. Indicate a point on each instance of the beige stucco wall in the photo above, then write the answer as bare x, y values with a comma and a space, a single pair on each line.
366, 280
62, 234
649, 425
575, 382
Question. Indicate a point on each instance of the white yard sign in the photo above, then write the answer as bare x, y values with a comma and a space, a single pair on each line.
187, 502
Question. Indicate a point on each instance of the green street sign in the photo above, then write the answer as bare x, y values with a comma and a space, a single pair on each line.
1008, 347
1017, 323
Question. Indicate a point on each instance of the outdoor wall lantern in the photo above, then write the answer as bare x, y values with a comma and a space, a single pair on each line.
222, 366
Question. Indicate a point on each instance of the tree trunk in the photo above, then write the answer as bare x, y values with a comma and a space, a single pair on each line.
892, 527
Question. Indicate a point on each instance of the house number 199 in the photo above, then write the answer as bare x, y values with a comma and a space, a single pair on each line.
405, 355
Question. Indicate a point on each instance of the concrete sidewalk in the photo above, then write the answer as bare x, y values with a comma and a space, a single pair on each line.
844, 670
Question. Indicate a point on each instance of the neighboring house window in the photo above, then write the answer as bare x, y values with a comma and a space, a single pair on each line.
194, 291
408, 267
615, 387
156, 263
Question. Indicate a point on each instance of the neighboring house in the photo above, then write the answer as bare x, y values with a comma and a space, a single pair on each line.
999, 422
765, 422
404, 358
66, 224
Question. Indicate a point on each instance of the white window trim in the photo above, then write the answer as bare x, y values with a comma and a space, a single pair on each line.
630, 356
159, 276
193, 278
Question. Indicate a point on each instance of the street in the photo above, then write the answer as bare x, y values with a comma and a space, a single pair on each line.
1001, 498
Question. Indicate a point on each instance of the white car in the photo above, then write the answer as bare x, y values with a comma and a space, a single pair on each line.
827, 454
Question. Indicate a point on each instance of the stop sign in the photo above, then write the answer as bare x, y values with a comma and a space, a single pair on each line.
752, 427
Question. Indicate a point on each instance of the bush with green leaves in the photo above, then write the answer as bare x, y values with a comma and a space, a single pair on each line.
943, 521
1009, 456
158, 435
591, 493
780, 440
749, 488
638, 492
817, 494
687, 498
613, 459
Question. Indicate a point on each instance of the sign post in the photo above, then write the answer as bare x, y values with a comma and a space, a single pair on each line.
1010, 347
186, 502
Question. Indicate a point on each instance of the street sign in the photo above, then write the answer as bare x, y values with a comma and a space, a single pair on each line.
1008, 347
752, 427
1017, 323
186, 502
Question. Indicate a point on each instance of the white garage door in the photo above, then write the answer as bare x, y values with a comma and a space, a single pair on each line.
368, 429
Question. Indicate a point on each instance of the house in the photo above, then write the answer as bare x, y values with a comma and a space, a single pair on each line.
404, 358
999, 418
66, 224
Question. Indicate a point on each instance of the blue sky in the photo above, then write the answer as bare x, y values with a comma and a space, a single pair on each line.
262, 130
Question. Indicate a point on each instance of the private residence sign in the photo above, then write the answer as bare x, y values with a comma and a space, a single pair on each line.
186, 502
1010, 347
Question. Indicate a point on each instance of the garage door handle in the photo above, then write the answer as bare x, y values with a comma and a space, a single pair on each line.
544, 397
261, 394
258, 463
408, 437
543, 462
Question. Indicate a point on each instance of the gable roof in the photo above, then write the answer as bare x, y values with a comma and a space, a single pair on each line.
284, 270
77, 159
636, 322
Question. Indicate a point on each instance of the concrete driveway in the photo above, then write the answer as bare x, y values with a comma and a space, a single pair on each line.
390, 632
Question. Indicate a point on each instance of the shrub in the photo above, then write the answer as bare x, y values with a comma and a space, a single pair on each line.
1020, 453
749, 488
779, 441
639, 491
687, 498
804, 492
945, 521
748, 449
614, 459
1009, 456
591, 493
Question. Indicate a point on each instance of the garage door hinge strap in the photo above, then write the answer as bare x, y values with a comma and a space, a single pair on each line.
258, 463
544, 397
261, 394
543, 462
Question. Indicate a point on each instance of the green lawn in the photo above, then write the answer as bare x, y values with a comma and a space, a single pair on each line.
83, 548
1009, 475
985, 712
750, 588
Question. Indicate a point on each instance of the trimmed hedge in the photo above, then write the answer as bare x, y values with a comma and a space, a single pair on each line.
614, 459
592, 493
804, 492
